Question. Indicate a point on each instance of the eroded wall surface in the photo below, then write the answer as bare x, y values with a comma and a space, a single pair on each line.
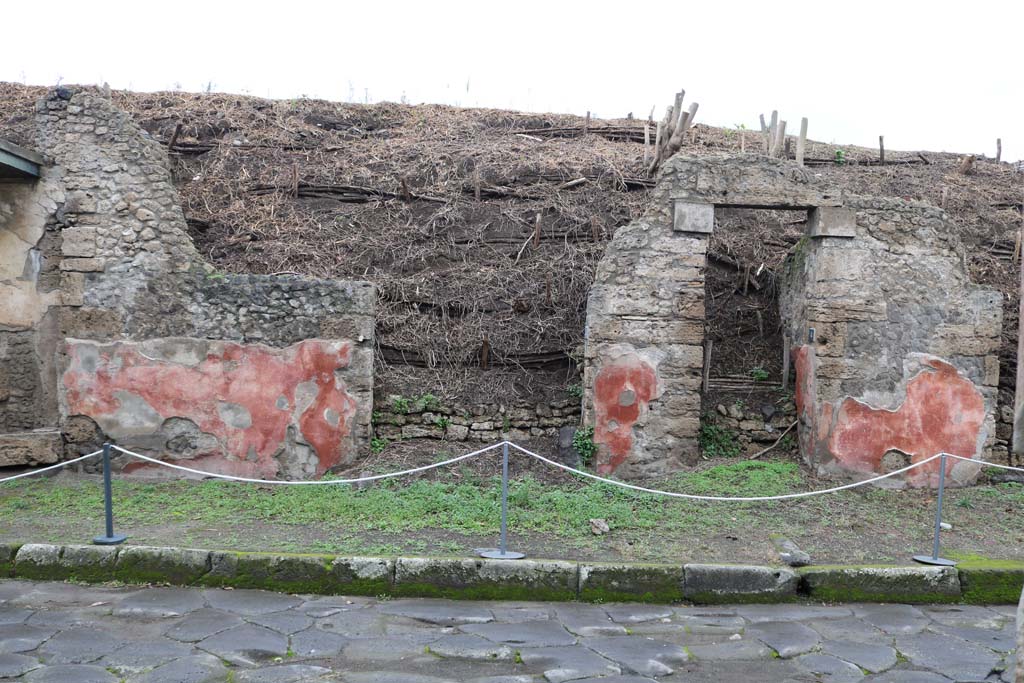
164, 354
903, 361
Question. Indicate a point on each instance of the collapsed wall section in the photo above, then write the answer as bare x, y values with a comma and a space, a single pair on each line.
262, 375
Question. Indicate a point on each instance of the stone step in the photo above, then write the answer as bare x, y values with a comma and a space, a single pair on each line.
36, 447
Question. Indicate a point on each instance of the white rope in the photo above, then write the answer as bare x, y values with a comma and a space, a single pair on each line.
51, 467
737, 499
306, 482
984, 463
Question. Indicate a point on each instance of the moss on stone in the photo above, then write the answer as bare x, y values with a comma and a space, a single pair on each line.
300, 573
880, 583
462, 578
178, 566
7, 553
631, 583
484, 591
985, 581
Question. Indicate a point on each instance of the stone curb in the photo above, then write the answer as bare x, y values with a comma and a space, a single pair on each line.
975, 582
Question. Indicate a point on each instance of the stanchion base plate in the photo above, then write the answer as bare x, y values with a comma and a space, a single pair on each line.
940, 561
496, 554
109, 540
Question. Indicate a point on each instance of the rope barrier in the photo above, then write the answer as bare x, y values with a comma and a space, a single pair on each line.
724, 499
51, 467
309, 482
985, 464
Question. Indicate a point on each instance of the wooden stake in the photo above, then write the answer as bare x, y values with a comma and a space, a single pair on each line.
763, 126
743, 142
708, 344
785, 360
999, 149
945, 196
595, 229
881, 149
801, 142
485, 353
174, 137
647, 144
536, 232
476, 183
547, 286
586, 124
295, 180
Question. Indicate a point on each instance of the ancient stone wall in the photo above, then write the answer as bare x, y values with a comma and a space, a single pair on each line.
902, 356
259, 375
896, 350
397, 418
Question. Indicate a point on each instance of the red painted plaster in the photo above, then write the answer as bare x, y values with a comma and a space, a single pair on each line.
251, 376
943, 412
614, 424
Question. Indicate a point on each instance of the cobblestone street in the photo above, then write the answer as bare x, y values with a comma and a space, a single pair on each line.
78, 634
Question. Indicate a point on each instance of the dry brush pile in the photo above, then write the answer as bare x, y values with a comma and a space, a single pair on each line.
482, 227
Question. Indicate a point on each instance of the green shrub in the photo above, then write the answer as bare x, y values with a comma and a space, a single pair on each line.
400, 404
759, 374
377, 445
575, 390
718, 442
583, 444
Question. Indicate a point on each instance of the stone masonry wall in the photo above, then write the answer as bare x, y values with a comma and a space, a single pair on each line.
164, 353
903, 360
396, 418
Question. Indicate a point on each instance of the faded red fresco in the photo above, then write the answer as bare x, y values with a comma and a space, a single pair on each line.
621, 389
942, 412
261, 380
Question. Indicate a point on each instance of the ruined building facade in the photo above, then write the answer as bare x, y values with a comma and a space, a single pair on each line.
113, 326
894, 348
111, 323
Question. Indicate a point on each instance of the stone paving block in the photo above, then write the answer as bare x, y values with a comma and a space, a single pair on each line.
201, 624
637, 614
644, 656
286, 673
160, 603
907, 676
618, 679
388, 648
588, 620
787, 638
1000, 640
146, 654
893, 619
524, 634
756, 614
511, 613
439, 612
12, 665
146, 564
560, 664
831, 668
847, 630
71, 673
356, 624
390, 677
250, 602
314, 642
486, 579
872, 657
631, 582
14, 615
882, 584
730, 650
966, 615
720, 583
200, 668
286, 622
955, 658
78, 645
467, 646
22, 638
246, 645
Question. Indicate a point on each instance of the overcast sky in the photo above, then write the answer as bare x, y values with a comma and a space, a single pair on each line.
939, 75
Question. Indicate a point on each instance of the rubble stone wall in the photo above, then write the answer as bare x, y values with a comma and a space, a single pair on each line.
135, 308
902, 363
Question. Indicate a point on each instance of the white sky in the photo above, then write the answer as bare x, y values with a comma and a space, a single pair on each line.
939, 75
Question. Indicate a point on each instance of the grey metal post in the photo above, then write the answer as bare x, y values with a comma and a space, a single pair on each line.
934, 558
108, 505
502, 552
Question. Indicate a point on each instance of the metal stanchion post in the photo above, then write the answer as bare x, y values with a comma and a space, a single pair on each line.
502, 552
108, 505
934, 557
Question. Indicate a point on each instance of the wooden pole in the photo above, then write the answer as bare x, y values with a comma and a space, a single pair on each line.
801, 144
174, 137
536, 232
777, 143
647, 144
743, 142
1017, 445
763, 126
999, 149
476, 183
586, 124
881, 149
769, 139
